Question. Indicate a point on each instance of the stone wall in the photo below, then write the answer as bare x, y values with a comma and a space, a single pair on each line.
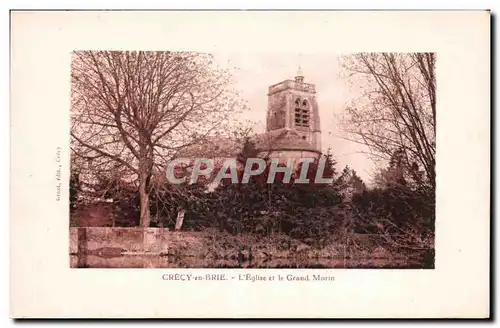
116, 241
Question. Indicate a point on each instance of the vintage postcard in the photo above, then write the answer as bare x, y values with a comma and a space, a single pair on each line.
318, 164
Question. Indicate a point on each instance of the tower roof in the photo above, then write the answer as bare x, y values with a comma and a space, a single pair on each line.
299, 77
299, 72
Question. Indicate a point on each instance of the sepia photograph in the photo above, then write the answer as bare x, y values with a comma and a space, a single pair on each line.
248, 160
275, 164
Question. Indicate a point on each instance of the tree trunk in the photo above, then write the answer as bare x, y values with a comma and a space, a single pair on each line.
144, 199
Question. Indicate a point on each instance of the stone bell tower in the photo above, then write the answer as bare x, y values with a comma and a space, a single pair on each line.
292, 106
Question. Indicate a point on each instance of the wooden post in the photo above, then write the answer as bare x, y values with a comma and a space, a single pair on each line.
180, 220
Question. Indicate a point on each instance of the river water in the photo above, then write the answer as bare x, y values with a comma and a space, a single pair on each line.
142, 261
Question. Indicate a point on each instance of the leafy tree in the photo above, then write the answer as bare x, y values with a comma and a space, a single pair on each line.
349, 183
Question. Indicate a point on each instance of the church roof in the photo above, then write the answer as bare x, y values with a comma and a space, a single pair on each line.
221, 147
211, 147
283, 139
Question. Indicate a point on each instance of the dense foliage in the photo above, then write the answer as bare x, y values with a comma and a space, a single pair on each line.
315, 214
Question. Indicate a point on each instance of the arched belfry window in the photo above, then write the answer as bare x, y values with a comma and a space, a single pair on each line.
301, 113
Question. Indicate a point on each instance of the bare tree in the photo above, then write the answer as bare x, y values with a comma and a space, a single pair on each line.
396, 111
132, 112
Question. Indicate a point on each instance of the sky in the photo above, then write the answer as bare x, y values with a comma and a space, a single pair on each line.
255, 72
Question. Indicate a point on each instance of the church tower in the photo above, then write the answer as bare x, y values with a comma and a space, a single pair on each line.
292, 106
